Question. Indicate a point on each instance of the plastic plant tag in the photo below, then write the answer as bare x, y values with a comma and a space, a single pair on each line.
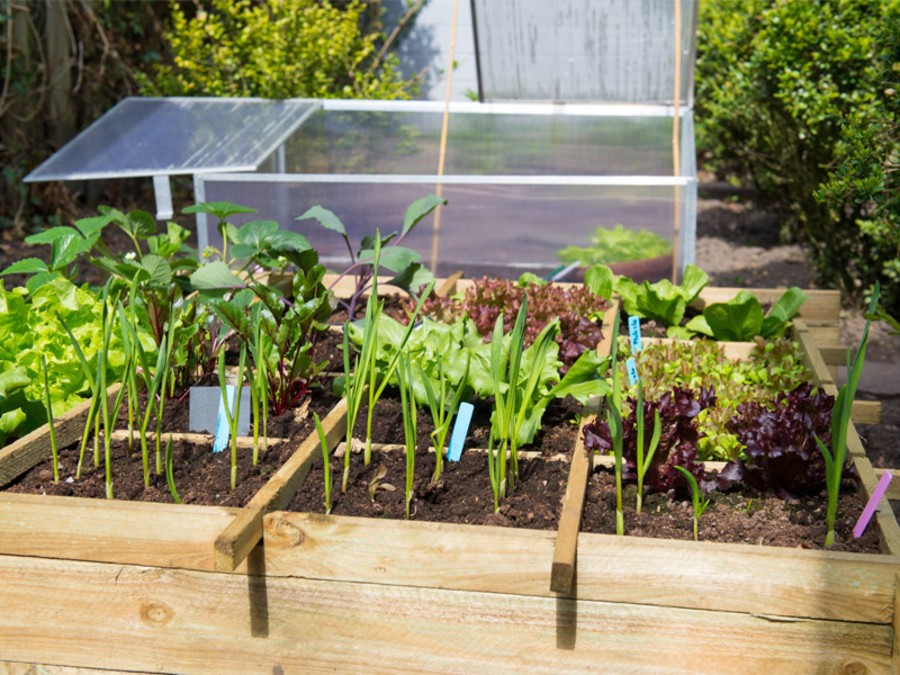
222, 431
460, 430
631, 366
634, 334
869, 510
204, 406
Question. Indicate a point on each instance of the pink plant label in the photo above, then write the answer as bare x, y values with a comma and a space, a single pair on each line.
869, 511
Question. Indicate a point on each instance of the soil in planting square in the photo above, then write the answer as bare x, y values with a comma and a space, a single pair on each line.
749, 517
201, 476
463, 494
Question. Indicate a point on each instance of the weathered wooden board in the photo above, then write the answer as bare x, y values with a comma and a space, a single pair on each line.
115, 531
760, 580
194, 622
10, 668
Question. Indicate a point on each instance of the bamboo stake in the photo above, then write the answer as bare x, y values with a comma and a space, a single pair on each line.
445, 123
676, 142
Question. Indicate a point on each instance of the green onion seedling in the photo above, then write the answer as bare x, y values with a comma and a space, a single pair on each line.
836, 458
170, 473
408, 404
614, 419
699, 505
443, 404
233, 416
642, 460
51, 425
326, 462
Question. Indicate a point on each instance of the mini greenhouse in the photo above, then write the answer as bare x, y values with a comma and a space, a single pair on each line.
585, 123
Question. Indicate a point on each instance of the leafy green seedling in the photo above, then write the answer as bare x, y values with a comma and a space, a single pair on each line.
699, 505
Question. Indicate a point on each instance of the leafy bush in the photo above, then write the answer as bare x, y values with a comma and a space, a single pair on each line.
800, 97
276, 49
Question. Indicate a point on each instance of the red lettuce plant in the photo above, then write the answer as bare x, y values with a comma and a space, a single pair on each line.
577, 308
678, 410
781, 452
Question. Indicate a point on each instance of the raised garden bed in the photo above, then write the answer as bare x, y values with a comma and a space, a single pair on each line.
326, 592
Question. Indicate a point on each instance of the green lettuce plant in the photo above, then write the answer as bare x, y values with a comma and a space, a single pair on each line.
741, 319
616, 244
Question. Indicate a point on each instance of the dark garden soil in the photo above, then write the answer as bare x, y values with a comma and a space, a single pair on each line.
747, 517
201, 476
463, 494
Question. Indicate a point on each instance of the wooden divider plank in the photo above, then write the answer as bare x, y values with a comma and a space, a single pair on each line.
562, 571
884, 515
238, 539
893, 490
810, 353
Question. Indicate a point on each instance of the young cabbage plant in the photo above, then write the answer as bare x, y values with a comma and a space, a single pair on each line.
836, 458
405, 263
698, 503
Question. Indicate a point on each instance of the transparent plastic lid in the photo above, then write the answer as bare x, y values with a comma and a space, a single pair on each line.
169, 136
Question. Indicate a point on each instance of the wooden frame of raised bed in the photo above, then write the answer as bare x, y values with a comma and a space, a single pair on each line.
326, 593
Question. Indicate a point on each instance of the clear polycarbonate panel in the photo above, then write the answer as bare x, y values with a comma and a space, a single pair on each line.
482, 141
170, 136
585, 50
503, 228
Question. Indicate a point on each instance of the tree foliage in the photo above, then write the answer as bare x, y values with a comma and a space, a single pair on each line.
801, 98
276, 49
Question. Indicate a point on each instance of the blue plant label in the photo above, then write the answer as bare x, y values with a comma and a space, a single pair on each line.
223, 433
631, 366
460, 431
634, 334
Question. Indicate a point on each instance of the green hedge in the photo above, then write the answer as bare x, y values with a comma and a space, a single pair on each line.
276, 49
800, 98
